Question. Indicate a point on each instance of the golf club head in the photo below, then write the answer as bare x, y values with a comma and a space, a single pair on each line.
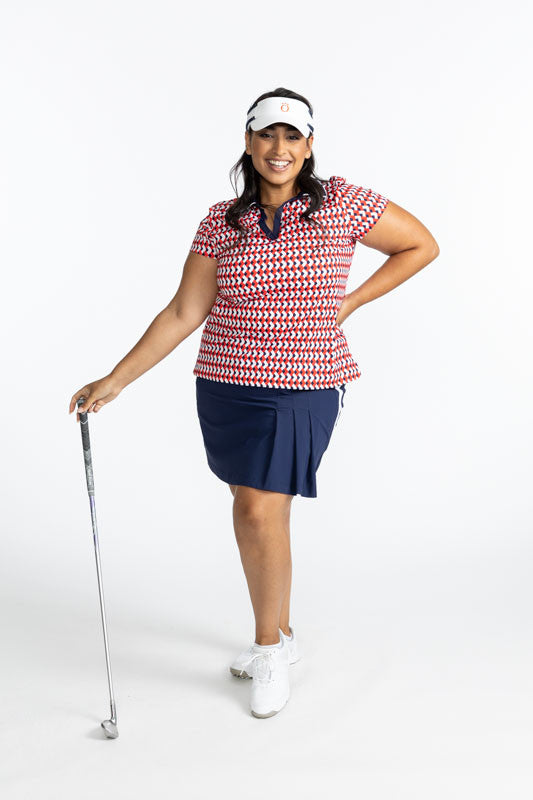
110, 729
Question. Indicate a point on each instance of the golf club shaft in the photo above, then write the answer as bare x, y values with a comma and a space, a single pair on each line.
84, 425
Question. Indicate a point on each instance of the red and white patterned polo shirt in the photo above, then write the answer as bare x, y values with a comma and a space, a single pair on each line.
273, 320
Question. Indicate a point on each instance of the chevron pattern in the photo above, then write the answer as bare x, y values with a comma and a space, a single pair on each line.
273, 321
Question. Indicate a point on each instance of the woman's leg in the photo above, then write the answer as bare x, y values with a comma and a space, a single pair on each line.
261, 523
284, 619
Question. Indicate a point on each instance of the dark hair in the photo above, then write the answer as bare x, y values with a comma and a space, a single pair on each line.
306, 179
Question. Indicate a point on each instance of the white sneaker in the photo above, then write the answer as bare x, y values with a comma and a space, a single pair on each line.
238, 668
270, 679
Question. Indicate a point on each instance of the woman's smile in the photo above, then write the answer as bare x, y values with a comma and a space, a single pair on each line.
278, 165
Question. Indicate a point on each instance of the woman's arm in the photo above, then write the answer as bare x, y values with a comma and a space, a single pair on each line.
186, 311
410, 247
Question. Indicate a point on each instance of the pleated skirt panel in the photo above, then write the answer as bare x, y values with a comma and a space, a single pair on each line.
268, 438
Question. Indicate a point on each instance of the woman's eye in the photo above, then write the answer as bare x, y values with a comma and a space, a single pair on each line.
292, 135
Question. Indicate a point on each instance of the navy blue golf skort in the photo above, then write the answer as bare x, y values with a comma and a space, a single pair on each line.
268, 438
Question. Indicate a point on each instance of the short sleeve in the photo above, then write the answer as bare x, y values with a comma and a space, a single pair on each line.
206, 241
362, 207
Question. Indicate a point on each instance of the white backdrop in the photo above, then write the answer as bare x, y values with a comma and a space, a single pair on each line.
411, 570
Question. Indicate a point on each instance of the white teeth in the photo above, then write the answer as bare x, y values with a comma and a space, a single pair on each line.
278, 163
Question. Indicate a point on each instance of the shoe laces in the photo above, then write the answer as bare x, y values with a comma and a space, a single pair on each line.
263, 665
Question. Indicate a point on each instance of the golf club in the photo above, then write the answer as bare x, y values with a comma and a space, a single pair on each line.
109, 725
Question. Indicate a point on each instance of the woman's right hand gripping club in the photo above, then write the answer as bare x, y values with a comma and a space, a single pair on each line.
96, 395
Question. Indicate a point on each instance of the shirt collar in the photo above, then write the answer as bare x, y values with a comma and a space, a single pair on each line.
296, 197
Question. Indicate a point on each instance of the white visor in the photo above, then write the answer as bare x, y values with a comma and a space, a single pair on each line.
280, 109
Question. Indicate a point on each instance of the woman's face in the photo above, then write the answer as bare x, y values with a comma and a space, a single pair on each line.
278, 142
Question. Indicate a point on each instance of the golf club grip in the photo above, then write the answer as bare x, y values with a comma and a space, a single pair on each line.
86, 444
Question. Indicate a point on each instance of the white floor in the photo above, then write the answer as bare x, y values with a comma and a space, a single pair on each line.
416, 685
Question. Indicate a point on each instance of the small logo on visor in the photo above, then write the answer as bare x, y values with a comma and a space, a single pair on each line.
284, 106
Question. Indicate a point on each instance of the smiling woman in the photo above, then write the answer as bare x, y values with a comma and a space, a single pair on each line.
267, 273
273, 361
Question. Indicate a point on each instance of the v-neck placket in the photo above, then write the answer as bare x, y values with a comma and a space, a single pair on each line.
274, 233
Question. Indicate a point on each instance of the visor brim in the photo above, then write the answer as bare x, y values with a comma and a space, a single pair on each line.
266, 119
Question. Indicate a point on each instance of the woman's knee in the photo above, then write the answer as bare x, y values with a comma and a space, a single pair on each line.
256, 508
